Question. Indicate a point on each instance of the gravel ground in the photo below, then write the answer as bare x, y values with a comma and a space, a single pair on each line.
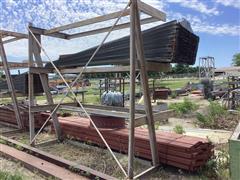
101, 160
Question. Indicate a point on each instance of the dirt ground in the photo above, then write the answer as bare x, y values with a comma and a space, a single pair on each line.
188, 122
101, 160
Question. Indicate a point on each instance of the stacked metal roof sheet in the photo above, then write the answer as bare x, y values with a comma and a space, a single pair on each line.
167, 43
181, 151
21, 84
7, 115
185, 152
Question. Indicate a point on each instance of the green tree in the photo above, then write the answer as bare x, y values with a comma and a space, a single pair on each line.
236, 59
183, 68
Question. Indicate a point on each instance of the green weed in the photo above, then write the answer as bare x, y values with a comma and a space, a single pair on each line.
178, 129
184, 107
4, 175
173, 95
216, 117
217, 167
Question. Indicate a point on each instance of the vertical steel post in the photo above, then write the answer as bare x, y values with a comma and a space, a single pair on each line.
10, 84
30, 88
146, 92
132, 89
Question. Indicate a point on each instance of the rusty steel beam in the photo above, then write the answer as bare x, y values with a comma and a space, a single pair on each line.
33, 163
16, 65
92, 174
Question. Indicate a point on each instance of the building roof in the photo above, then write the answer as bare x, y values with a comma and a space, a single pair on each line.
227, 69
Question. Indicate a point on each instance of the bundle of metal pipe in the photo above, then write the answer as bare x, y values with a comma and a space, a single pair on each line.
167, 43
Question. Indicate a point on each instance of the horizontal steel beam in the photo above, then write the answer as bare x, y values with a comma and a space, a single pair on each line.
106, 29
95, 111
15, 65
87, 22
151, 67
158, 117
155, 14
13, 34
151, 11
12, 40
40, 70
41, 31
57, 160
43, 108
112, 108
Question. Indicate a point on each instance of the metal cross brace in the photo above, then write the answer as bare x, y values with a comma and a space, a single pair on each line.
72, 84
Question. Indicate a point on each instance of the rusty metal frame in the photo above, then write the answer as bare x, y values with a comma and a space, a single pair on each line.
93, 174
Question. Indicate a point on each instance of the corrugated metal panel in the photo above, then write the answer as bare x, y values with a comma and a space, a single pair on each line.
169, 43
21, 84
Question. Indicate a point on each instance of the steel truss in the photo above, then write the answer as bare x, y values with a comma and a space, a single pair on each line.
206, 67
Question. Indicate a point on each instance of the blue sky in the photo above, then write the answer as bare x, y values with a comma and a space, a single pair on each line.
217, 22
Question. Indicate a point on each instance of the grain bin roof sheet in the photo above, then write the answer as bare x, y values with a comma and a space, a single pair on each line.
166, 43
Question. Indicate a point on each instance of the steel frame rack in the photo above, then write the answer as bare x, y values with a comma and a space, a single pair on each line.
137, 63
5, 65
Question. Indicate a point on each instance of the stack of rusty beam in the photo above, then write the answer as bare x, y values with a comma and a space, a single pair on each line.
7, 115
181, 151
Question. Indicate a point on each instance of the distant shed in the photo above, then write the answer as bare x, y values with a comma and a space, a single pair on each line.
21, 84
227, 70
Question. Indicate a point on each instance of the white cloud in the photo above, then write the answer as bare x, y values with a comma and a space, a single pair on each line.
51, 13
197, 6
198, 25
218, 29
15, 16
231, 3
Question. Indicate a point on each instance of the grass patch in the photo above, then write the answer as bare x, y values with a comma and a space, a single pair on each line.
175, 84
64, 113
184, 107
217, 167
5, 175
178, 129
